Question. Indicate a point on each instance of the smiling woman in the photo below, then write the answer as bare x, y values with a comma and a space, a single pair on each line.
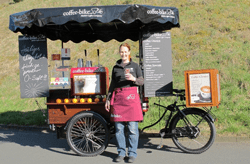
124, 104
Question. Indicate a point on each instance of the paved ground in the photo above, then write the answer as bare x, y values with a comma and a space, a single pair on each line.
28, 147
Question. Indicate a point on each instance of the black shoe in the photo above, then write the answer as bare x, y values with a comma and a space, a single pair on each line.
131, 159
119, 159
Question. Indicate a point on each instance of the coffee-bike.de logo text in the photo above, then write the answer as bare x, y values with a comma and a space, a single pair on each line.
163, 13
86, 12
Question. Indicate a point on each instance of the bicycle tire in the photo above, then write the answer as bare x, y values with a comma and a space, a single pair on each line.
188, 142
88, 134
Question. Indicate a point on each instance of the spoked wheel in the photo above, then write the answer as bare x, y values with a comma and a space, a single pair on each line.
88, 134
196, 137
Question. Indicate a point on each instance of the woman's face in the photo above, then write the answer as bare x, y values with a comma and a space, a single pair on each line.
124, 52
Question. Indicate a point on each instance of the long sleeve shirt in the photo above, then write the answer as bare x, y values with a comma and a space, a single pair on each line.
118, 79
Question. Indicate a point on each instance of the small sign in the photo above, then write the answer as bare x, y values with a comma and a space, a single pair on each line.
89, 81
202, 88
55, 57
65, 52
87, 84
33, 66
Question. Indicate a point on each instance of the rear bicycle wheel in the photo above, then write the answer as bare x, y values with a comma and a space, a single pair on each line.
195, 137
88, 134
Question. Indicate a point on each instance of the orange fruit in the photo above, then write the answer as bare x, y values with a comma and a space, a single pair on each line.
74, 100
82, 100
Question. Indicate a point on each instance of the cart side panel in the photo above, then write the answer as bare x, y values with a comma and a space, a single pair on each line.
61, 113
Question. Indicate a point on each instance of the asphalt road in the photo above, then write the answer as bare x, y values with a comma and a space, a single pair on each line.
28, 147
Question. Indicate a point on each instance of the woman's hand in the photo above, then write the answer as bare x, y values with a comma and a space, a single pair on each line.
130, 77
107, 105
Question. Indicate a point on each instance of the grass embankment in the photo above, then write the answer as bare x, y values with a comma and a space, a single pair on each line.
214, 34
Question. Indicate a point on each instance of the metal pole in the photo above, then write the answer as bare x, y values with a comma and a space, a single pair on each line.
62, 60
62, 64
141, 63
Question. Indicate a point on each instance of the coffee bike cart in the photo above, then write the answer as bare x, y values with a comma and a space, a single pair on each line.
75, 108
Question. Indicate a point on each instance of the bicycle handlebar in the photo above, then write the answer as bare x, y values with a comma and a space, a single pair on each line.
160, 105
179, 90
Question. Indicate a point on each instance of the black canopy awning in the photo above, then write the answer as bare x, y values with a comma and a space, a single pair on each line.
91, 23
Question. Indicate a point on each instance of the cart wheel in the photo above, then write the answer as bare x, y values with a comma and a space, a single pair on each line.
88, 134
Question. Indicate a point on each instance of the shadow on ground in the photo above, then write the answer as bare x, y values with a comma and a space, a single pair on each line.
48, 140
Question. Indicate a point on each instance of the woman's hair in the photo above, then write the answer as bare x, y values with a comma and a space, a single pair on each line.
124, 45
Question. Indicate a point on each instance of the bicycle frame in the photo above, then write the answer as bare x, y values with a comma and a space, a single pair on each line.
191, 129
175, 108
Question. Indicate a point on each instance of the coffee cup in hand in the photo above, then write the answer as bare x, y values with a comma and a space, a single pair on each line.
127, 73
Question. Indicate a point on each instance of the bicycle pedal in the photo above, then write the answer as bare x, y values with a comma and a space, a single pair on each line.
165, 135
162, 134
159, 146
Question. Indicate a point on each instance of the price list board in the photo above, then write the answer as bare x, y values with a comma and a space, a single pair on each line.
157, 61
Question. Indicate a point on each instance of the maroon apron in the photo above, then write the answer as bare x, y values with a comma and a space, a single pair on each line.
125, 105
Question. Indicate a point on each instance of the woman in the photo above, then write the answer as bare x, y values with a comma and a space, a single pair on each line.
124, 102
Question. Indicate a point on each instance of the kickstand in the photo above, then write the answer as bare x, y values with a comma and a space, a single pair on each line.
161, 145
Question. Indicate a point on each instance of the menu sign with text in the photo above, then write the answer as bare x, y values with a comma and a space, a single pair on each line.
33, 66
157, 61
200, 88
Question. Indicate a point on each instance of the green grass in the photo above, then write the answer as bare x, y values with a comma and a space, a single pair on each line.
23, 118
214, 34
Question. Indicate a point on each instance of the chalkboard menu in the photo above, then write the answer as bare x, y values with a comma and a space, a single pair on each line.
33, 66
157, 61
